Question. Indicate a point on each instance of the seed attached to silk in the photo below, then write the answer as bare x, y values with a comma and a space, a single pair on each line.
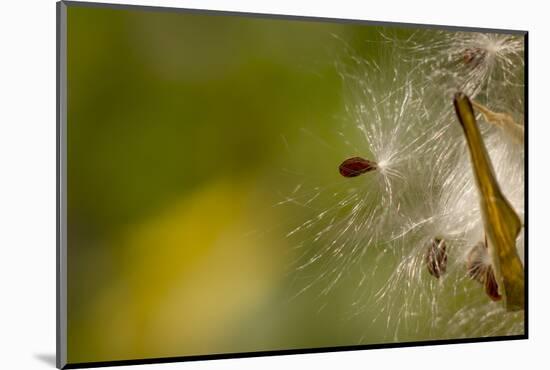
356, 166
436, 257
477, 262
480, 269
491, 285
474, 56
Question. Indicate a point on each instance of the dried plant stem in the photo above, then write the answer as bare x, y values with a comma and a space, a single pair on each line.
502, 120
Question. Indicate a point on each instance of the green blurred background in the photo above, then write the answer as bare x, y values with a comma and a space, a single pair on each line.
184, 132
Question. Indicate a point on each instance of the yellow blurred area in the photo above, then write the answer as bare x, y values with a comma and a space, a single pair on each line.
187, 135
188, 274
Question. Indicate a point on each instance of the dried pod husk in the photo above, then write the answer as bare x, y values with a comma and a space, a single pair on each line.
504, 121
436, 257
356, 166
501, 222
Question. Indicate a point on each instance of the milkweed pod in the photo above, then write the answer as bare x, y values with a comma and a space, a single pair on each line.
501, 223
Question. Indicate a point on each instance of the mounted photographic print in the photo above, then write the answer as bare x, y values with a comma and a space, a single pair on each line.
235, 184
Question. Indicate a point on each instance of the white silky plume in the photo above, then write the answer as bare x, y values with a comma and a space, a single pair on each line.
481, 65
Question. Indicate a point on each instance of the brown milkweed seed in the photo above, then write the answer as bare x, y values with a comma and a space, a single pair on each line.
479, 268
436, 257
491, 285
474, 56
356, 166
477, 262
